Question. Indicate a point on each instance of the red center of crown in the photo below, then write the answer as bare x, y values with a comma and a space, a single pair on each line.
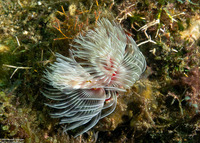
109, 65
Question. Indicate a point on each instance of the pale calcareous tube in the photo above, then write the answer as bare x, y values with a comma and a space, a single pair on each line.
86, 91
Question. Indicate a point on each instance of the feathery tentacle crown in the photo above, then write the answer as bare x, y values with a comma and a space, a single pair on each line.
84, 92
